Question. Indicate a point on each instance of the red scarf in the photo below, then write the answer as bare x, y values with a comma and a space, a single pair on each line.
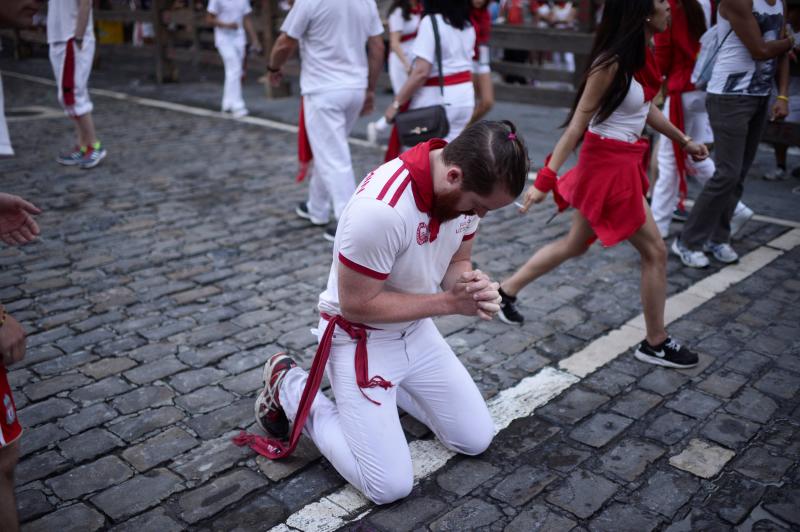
418, 162
649, 76
482, 21
68, 77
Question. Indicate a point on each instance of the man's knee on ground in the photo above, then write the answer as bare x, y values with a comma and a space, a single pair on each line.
389, 490
476, 441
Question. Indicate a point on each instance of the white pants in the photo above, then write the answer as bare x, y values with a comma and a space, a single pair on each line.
365, 441
232, 54
329, 118
666, 190
82, 69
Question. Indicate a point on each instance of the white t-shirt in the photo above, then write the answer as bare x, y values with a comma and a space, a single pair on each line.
230, 11
405, 27
458, 48
5, 141
735, 70
627, 121
333, 37
62, 17
383, 234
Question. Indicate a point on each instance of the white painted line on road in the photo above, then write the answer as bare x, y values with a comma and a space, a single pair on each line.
182, 108
428, 456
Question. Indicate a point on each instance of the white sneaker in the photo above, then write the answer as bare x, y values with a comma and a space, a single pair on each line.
779, 174
722, 252
741, 215
372, 133
240, 113
692, 259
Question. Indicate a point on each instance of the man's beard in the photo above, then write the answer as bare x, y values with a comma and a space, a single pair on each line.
444, 206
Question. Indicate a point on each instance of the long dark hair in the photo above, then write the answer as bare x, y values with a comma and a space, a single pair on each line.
405, 8
620, 39
454, 12
695, 18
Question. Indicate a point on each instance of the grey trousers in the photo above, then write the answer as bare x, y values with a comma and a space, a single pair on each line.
737, 122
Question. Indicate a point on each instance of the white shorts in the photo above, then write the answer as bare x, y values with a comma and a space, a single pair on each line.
78, 103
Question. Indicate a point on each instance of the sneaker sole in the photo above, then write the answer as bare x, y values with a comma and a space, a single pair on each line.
93, 163
306, 216
259, 400
67, 163
674, 249
644, 357
502, 317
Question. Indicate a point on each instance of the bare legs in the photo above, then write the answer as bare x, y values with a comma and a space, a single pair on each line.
9, 456
84, 126
647, 242
484, 96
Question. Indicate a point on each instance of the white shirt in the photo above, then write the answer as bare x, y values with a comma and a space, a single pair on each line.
230, 11
62, 17
627, 121
384, 235
333, 36
5, 141
405, 27
735, 70
458, 48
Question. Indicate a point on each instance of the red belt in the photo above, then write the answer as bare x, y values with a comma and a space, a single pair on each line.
273, 448
451, 79
408, 37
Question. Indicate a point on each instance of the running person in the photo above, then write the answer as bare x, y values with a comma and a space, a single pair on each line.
404, 16
401, 256
231, 18
70, 37
337, 82
608, 185
676, 52
481, 62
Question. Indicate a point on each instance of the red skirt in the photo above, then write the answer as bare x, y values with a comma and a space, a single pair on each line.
608, 185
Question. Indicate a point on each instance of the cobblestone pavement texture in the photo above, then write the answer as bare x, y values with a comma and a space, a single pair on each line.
165, 278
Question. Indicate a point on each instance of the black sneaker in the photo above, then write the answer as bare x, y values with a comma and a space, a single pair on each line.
668, 353
302, 212
269, 412
508, 312
330, 232
680, 215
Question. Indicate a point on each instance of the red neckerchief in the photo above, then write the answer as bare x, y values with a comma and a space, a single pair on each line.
416, 10
482, 21
649, 76
418, 162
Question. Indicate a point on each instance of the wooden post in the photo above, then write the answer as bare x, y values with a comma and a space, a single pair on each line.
165, 68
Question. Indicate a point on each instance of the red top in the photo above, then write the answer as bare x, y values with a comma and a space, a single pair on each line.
514, 14
676, 51
482, 21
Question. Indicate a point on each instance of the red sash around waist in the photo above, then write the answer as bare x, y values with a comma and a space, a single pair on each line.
451, 79
408, 37
273, 448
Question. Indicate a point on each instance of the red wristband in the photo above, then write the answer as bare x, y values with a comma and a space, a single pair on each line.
546, 179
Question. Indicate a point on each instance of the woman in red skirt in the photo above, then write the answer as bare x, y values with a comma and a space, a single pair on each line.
607, 187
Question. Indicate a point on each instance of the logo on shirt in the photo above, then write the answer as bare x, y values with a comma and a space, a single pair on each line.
464, 225
9, 406
423, 233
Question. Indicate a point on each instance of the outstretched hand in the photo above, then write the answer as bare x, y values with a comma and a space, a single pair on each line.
17, 225
532, 195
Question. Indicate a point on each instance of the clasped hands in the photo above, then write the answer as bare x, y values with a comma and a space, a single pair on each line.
476, 295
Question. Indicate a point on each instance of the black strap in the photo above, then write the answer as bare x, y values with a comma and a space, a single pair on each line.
438, 51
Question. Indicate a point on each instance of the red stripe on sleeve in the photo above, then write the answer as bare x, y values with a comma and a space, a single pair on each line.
469, 236
362, 269
391, 180
400, 190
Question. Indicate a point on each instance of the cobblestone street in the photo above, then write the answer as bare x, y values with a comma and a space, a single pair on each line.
166, 277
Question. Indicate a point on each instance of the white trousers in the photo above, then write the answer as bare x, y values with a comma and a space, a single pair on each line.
666, 190
397, 73
232, 54
82, 69
365, 441
330, 117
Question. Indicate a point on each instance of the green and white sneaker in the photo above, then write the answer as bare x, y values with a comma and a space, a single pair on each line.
72, 158
93, 156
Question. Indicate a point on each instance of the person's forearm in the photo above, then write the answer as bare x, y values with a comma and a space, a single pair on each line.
375, 49
396, 47
394, 307
783, 75
564, 147
281, 52
251, 32
415, 80
659, 122
454, 271
84, 9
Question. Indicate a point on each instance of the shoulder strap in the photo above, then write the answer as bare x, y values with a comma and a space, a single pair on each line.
438, 51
